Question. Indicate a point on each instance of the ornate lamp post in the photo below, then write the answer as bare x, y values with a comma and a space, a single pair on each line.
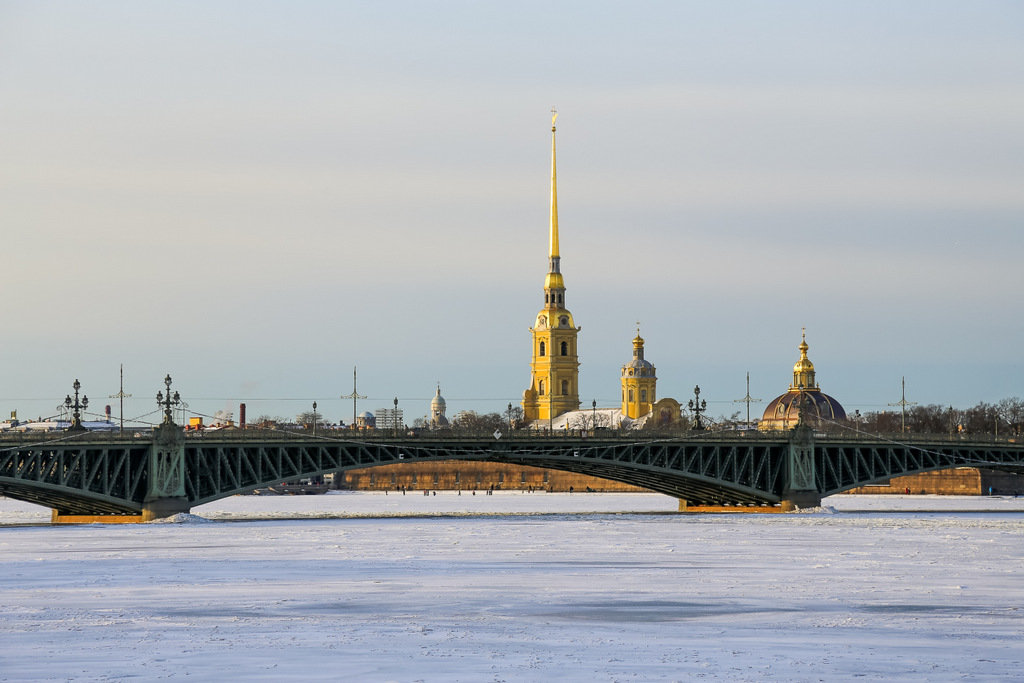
697, 406
593, 414
168, 401
395, 417
77, 406
510, 419
314, 418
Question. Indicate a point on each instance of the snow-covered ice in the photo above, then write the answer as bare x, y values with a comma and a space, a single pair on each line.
583, 587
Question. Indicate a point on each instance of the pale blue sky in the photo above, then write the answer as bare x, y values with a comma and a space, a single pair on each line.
255, 197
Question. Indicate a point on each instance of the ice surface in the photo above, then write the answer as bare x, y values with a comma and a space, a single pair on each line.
518, 587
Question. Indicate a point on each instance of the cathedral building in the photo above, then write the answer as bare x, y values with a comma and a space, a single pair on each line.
804, 400
555, 367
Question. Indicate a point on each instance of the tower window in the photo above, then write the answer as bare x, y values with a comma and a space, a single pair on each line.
565, 387
630, 395
540, 388
643, 396
565, 348
542, 349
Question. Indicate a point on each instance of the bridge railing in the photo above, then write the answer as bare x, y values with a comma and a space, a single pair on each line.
12, 439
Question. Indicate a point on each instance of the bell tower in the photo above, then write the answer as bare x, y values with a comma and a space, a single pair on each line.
555, 367
638, 382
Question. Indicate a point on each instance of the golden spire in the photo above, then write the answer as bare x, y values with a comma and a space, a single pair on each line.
554, 285
554, 191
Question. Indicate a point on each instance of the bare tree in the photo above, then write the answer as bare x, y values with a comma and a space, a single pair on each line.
1011, 410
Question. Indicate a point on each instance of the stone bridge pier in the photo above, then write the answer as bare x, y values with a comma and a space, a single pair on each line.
801, 487
165, 492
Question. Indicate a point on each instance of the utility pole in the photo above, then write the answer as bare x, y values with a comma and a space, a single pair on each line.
746, 399
903, 403
355, 395
121, 395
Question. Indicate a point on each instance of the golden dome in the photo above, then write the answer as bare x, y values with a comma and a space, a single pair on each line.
803, 370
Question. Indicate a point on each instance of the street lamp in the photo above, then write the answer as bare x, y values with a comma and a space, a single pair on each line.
395, 417
76, 416
168, 401
593, 413
510, 419
314, 418
697, 406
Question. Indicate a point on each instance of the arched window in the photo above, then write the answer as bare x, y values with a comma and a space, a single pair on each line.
565, 348
540, 388
630, 395
643, 396
565, 387
542, 350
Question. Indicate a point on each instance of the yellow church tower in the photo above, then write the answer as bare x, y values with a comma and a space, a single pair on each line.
638, 382
555, 368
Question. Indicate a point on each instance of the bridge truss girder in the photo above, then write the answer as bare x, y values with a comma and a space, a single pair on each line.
95, 477
77, 478
702, 474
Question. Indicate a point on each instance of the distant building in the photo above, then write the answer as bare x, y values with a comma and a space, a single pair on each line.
804, 400
366, 420
437, 408
389, 418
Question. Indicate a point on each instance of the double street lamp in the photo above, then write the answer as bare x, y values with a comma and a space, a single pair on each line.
77, 406
168, 401
697, 406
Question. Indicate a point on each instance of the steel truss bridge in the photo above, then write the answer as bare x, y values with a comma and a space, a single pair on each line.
91, 477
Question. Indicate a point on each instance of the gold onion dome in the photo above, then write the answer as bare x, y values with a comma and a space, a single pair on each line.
803, 370
638, 362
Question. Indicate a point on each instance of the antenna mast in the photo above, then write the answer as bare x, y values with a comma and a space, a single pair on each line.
903, 403
747, 399
121, 395
355, 395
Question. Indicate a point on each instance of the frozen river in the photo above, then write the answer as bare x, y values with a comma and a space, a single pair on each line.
518, 587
